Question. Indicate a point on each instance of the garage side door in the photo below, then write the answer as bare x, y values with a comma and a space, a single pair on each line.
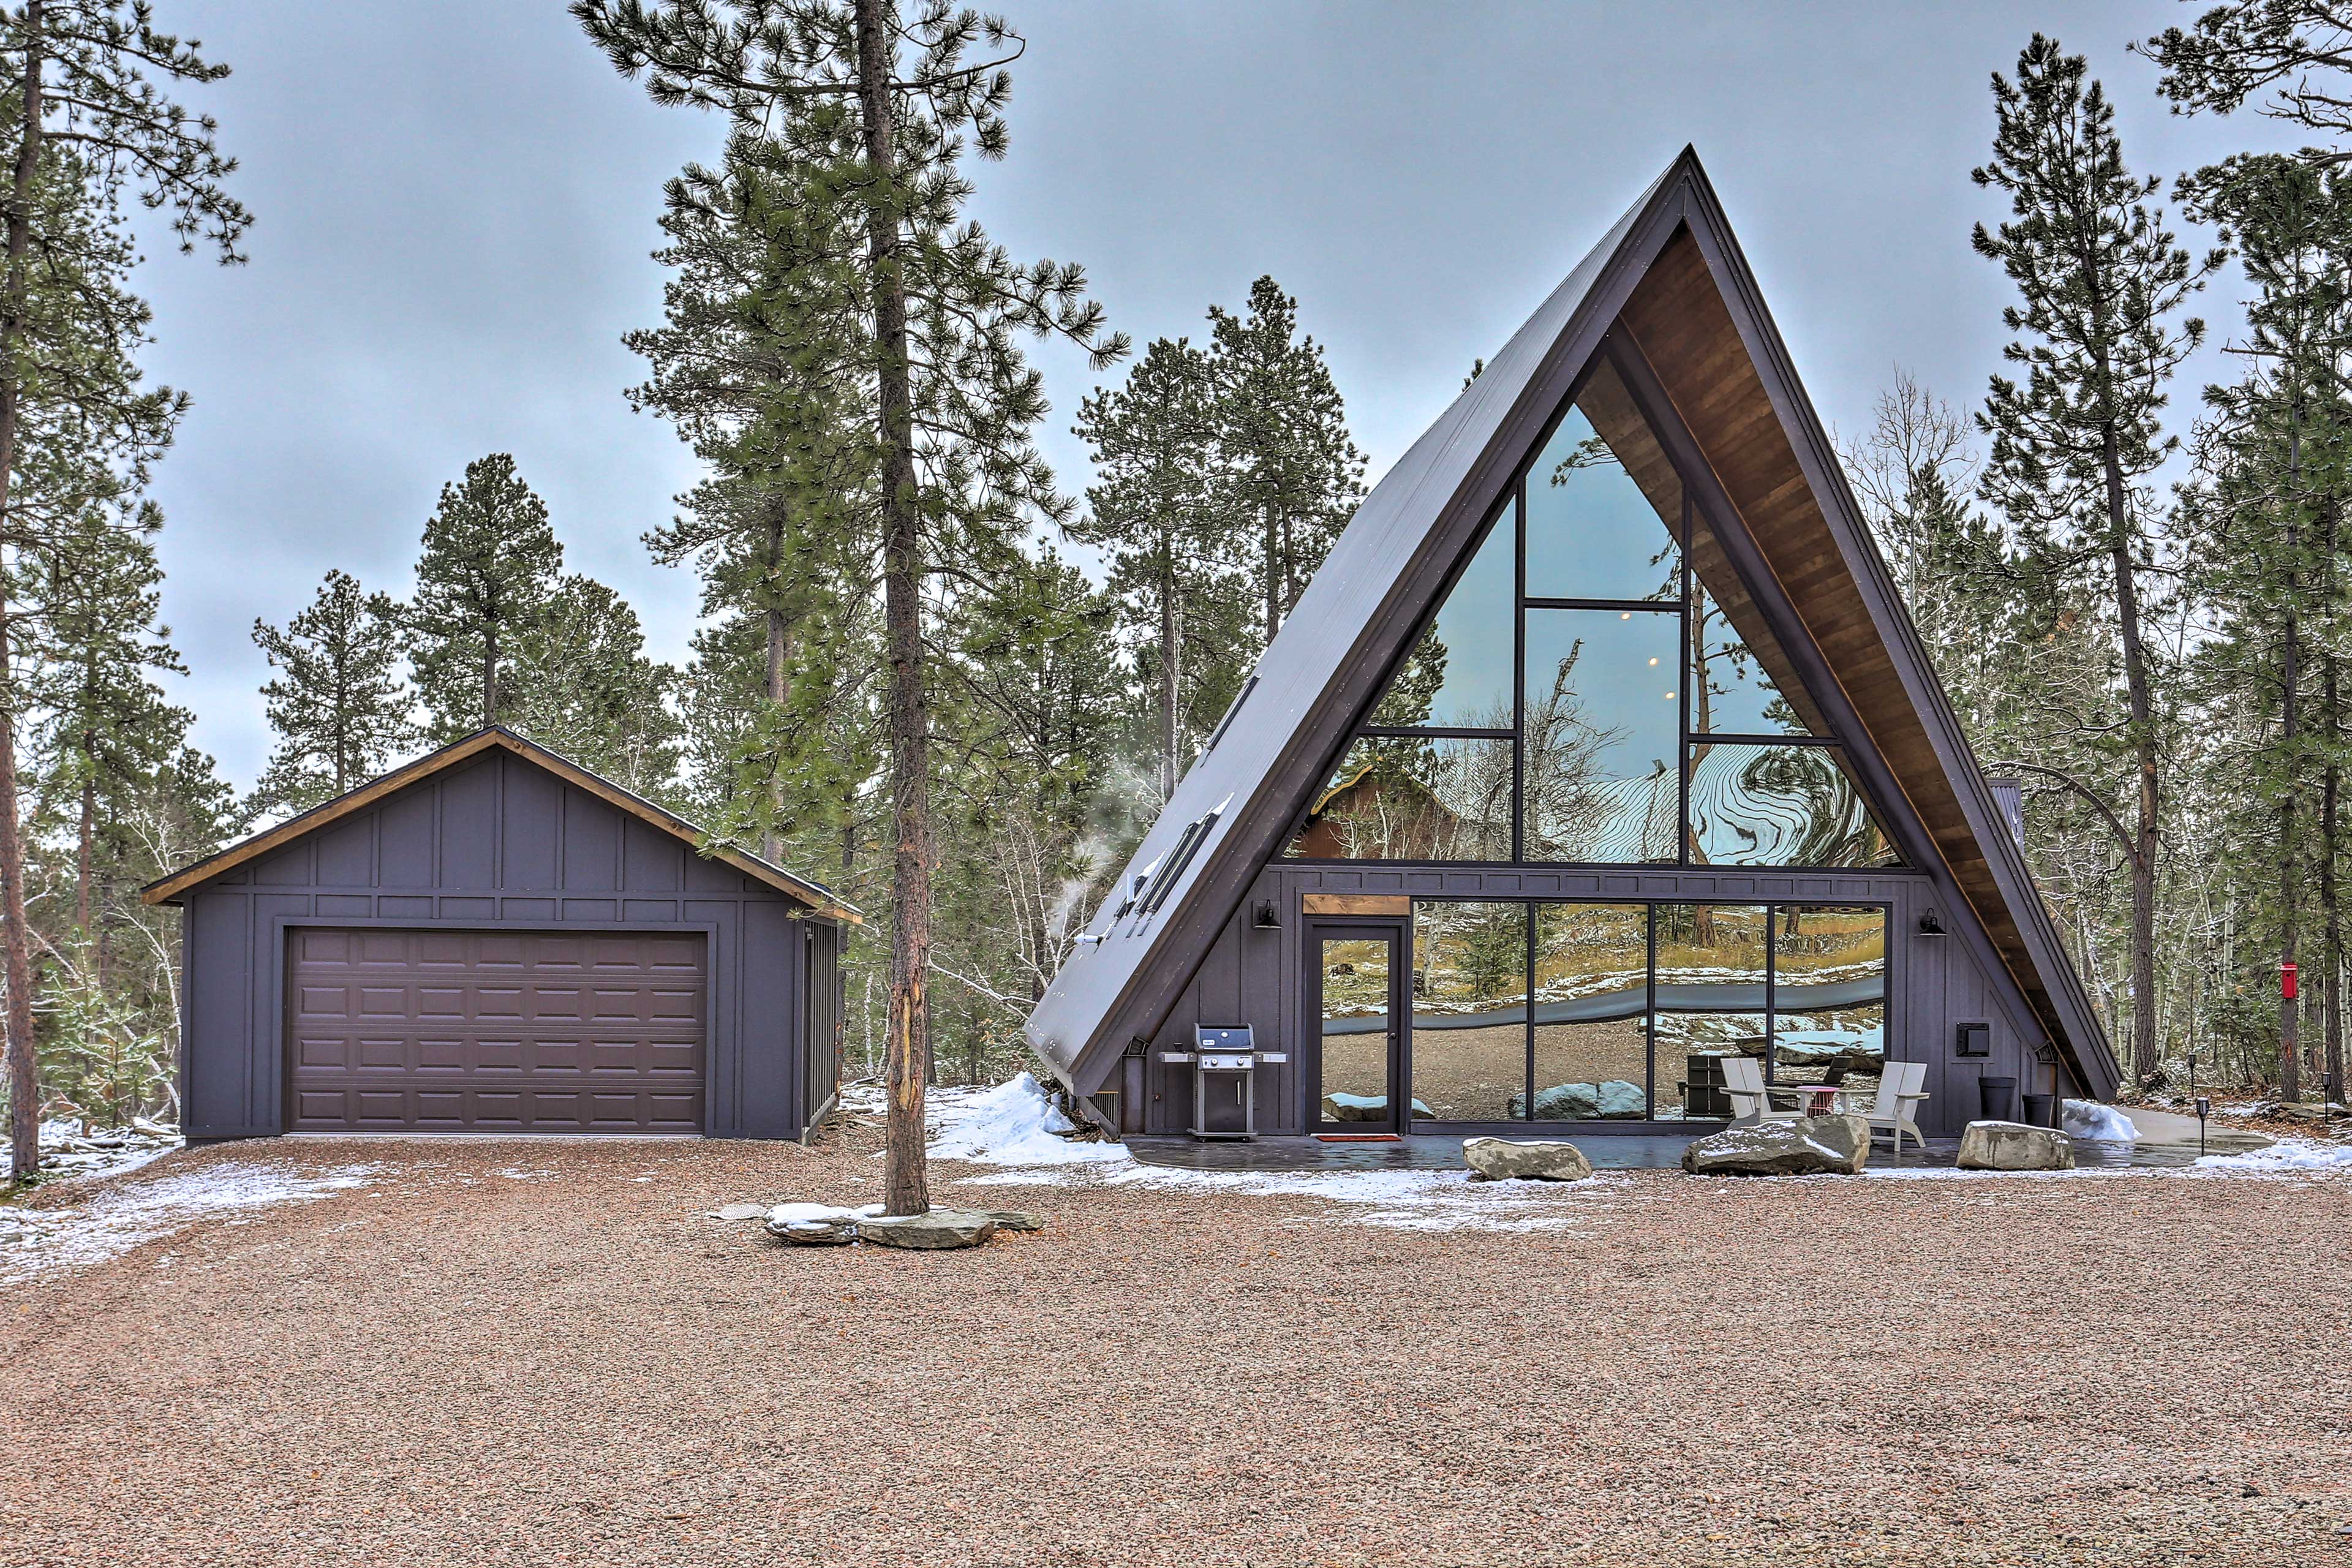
460, 1031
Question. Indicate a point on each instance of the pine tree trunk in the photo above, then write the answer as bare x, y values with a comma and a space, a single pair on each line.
1273, 576
905, 1187
84, 831
2144, 748
1170, 652
779, 649
2290, 1009
2331, 982
491, 672
16, 940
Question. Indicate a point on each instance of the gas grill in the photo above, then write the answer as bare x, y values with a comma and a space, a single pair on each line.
1224, 1061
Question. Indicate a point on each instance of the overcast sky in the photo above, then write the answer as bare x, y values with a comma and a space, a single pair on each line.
456, 204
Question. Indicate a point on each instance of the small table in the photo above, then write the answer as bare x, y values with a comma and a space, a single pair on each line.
1816, 1099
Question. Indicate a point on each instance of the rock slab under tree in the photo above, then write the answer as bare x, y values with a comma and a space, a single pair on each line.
1532, 1160
1809, 1146
2013, 1146
939, 1230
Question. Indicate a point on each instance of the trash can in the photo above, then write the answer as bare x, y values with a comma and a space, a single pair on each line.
1997, 1096
2041, 1110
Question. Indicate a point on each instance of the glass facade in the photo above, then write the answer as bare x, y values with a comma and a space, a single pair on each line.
1597, 688
1634, 1007
1469, 1010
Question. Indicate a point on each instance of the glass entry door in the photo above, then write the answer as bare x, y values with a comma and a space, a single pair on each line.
1355, 988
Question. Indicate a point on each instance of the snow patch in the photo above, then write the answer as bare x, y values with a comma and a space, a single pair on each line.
1013, 1124
73, 1150
112, 1222
1390, 1200
809, 1214
2099, 1123
2287, 1157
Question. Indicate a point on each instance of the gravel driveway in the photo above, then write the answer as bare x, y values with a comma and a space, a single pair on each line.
542, 1352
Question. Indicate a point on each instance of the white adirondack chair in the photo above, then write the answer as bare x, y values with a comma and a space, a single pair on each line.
1899, 1095
1743, 1081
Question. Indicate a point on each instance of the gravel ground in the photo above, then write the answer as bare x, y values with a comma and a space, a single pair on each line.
544, 1352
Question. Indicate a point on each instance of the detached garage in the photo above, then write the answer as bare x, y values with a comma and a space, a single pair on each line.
492, 939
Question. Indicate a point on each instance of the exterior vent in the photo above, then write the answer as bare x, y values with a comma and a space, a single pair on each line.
2009, 796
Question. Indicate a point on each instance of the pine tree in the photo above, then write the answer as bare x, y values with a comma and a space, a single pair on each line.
2099, 335
1292, 473
101, 718
1151, 511
866, 110
582, 685
83, 80
778, 427
2278, 454
340, 706
2293, 57
487, 573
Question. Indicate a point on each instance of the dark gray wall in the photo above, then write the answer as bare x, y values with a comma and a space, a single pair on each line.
496, 842
1257, 976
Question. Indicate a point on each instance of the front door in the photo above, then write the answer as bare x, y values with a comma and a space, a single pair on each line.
1356, 992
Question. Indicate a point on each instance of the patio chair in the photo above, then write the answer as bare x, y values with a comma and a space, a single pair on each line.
1899, 1095
1743, 1081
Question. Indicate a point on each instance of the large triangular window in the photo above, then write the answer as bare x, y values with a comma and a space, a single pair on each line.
1597, 686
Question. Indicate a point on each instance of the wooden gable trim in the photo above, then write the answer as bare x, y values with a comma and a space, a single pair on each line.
168, 890
1692, 320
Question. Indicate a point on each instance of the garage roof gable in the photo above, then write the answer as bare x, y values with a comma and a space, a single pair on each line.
171, 889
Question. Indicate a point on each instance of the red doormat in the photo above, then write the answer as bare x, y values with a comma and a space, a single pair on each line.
1358, 1138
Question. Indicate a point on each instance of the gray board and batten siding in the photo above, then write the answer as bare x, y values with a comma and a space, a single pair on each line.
477, 853
1667, 296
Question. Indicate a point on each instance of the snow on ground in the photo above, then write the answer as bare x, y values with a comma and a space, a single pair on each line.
2287, 1157
2100, 1123
145, 1207
73, 1150
1392, 1200
1014, 1124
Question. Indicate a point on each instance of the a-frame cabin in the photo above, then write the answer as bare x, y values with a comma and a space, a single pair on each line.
1600, 749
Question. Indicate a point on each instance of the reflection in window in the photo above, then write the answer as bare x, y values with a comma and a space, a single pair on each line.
1355, 1042
1413, 798
1458, 676
1780, 806
1829, 1022
1592, 1012
1602, 735
1469, 1010
1734, 688
1710, 1000
1604, 504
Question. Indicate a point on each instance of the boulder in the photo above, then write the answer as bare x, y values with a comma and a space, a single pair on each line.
936, 1231
814, 1224
1614, 1101
1369, 1108
1811, 1146
1533, 1159
740, 1211
1016, 1219
2013, 1146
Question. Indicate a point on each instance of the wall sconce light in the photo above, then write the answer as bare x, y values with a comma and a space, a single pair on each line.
1929, 925
1267, 917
